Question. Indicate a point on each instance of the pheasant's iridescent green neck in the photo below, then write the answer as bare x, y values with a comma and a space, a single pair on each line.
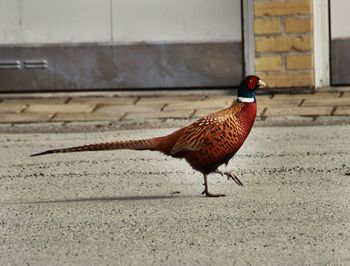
244, 94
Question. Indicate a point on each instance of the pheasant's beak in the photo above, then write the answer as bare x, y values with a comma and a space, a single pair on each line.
261, 84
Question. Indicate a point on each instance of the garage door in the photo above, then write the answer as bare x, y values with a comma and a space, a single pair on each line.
49, 45
340, 42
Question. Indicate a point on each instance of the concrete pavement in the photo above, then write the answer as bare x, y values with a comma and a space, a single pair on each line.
141, 208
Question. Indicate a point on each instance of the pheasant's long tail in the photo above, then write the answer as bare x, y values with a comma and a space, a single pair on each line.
142, 144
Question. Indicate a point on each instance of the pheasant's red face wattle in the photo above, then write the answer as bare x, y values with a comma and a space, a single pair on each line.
252, 82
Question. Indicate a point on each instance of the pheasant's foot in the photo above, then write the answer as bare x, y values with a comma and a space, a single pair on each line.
208, 194
231, 175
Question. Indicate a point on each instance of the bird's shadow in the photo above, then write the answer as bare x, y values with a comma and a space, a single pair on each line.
106, 199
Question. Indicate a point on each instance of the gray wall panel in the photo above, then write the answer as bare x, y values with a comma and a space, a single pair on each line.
340, 42
340, 61
124, 66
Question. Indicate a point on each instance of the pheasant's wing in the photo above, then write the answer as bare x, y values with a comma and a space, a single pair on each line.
204, 130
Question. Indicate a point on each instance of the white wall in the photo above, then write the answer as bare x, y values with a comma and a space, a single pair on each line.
10, 21
74, 21
54, 21
176, 20
340, 19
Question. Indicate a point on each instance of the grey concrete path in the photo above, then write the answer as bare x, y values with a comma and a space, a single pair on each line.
141, 208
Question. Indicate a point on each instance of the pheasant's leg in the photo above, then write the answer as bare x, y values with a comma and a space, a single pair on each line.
206, 192
230, 175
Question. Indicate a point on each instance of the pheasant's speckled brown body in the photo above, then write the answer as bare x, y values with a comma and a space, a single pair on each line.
206, 144
212, 140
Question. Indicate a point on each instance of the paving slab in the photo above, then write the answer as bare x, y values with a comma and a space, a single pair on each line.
142, 208
5, 125
104, 100
334, 119
346, 94
87, 117
34, 125
315, 95
224, 101
303, 111
112, 109
169, 99
41, 100
60, 108
186, 105
24, 117
203, 112
288, 118
160, 115
11, 107
327, 102
279, 102
342, 110
88, 124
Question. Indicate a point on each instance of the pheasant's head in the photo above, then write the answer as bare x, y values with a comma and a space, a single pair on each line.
246, 90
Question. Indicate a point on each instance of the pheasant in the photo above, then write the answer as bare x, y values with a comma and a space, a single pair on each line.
205, 144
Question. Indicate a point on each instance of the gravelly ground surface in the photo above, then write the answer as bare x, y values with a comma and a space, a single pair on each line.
136, 208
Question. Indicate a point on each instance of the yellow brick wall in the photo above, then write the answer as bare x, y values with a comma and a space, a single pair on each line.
284, 42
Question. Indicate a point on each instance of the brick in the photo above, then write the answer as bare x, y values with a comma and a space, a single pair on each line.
265, 63
283, 8
267, 26
104, 100
64, 117
283, 43
287, 79
298, 25
116, 109
342, 110
11, 108
298, 62
36, 100
23, 117
303, 111
327, 102
158, 115
59, 108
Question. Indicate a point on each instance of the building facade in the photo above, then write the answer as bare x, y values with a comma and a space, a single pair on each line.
50, 45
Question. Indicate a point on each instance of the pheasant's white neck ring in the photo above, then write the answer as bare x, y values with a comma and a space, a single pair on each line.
245, 99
